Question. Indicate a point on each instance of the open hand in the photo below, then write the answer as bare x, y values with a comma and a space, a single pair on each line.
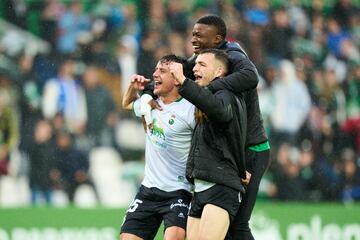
155, 105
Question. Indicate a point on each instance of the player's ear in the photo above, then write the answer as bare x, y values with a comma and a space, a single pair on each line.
219, 72
218, 39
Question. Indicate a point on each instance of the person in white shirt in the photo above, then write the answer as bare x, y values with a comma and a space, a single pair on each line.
164, 194
65, 96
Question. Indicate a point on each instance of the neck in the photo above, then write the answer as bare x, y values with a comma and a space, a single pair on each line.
170, 98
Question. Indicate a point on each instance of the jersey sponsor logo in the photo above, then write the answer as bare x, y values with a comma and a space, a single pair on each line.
181, 215
157, 130
179, 204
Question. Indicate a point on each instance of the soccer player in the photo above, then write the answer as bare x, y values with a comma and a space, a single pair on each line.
210, 32
216, 162
165, 192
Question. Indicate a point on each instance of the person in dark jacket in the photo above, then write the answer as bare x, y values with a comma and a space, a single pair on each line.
210, 32
216, 162
72, 164
42, 176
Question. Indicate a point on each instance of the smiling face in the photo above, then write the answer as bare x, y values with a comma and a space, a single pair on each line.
204, 36
207, 68
164, 81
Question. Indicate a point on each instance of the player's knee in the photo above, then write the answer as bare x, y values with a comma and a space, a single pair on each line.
127, 236
176, 237
174, 233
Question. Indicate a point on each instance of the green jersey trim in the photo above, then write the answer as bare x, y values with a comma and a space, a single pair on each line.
260, 147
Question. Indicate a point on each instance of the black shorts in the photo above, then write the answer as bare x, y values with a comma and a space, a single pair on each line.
219, 195
151, 206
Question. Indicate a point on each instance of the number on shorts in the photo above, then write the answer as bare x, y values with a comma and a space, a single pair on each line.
134, 205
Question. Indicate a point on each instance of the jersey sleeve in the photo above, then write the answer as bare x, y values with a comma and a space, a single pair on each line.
191, 117
136, 108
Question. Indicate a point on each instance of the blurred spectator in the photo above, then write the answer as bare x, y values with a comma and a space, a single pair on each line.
127, 52
352, 127
99, 56
317, 175
43, 176
131, 24
342, 12
353, 92
278, 37
291, 104
350, 184
258, 13
8, 125
332, 98
70, 25
335, 36
50, 15
29, 101
290, 186
16, 12
176, 43
102, 116
72, 165
64, 95
177, 16
355, 28
146, 60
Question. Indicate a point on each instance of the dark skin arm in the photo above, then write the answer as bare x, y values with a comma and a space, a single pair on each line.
244, 75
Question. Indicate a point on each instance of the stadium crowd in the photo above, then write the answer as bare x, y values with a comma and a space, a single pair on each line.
55, 107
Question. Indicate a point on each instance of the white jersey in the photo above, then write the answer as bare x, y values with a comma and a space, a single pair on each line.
168, 145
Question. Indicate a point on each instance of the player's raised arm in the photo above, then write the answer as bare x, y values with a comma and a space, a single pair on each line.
131, 94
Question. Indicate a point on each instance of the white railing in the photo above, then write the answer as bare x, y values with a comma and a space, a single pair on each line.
14, 40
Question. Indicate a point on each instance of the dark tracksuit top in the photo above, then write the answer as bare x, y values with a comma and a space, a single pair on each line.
217, 152
243, 79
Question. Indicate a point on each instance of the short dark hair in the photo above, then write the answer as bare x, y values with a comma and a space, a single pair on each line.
219, 55
174, 58
215, 21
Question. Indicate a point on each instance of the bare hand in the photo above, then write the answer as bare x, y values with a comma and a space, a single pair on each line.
155, 105
176, 69
139, 82
246, 181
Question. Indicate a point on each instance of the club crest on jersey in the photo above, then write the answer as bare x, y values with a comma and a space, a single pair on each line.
172, 119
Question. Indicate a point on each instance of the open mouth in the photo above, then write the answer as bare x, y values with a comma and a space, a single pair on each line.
157, 83
196, 47
197, 78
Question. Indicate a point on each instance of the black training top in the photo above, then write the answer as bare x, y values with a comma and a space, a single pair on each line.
243, 79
